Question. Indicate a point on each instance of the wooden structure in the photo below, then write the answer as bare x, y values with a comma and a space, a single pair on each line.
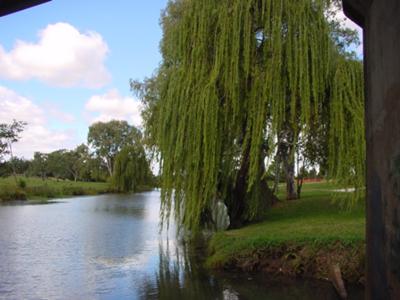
380, 20
11, 6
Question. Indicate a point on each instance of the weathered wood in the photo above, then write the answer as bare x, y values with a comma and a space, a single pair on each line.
381, 23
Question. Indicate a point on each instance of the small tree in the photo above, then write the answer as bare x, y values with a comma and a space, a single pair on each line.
10, 134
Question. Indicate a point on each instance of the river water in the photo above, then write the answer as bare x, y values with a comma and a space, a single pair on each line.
109, 247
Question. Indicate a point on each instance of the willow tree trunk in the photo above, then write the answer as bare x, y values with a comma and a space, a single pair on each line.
291, 193
288, 162
277, 173
239, 193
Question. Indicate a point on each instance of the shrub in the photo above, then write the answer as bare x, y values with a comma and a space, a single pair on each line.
21, 183
43, 191
73, 190
10, 194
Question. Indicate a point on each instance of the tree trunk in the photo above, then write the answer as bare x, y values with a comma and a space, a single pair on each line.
300, 180
300, 173
290, 181
12, 164
109, 166
239, 195
286, 144
277, 173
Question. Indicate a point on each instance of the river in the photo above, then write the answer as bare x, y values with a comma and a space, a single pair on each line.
109, 247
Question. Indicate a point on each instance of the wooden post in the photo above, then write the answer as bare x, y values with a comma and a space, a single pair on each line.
380, 20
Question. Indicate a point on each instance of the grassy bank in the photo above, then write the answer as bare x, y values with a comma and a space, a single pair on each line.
38, 189
298, 238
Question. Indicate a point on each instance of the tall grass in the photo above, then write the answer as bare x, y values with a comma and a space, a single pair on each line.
36, 188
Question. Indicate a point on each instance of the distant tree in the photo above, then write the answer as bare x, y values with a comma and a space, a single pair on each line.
5, 169
75, 160
57, 164
21, 165
94, 169
3, 148
10, 134
132, 169
39, 165
108, 139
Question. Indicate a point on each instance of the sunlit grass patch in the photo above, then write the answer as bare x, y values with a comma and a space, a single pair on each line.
313, 221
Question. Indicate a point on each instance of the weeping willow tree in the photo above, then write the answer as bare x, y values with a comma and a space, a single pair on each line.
347, 151
131, 169
235, 75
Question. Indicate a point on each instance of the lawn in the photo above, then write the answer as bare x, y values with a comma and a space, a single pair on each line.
38, 189
315, 221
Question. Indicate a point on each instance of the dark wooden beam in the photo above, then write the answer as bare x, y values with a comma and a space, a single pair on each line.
12, 6
357, 10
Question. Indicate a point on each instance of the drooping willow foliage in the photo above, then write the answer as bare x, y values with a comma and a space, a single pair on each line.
235, 73
131, 169
346, 134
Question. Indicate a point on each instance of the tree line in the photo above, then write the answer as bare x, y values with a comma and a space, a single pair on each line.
114, 152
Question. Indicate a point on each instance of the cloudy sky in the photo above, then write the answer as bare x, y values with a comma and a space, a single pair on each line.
67, 63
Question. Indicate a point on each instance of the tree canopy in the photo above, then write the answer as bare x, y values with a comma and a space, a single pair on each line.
10, 134
108, 139
236, 76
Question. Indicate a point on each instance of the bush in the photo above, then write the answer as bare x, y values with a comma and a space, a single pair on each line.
11, 194
21, 183
43, 191
73, 191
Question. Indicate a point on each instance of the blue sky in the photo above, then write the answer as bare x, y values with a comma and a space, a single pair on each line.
59, 95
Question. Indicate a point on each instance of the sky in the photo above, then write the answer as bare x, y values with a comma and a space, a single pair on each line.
66, 64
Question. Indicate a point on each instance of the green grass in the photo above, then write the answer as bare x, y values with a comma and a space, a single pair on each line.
38, 189
314, 220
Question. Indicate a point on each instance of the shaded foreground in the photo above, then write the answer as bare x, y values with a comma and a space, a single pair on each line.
302, 238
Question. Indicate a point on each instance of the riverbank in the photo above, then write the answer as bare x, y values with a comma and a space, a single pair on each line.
302, 238
36, 189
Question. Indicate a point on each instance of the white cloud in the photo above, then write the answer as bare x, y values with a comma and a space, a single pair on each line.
113, 106
62, 56
57, 114
37, 135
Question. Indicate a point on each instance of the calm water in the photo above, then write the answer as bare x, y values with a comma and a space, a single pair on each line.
109, 247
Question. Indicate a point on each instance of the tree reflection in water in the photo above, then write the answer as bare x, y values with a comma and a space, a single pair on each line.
181, 274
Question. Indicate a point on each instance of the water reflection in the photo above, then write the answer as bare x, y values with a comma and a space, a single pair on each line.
122, 205
109, 247
181, 275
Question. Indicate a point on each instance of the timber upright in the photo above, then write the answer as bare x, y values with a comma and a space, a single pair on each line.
380, 20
